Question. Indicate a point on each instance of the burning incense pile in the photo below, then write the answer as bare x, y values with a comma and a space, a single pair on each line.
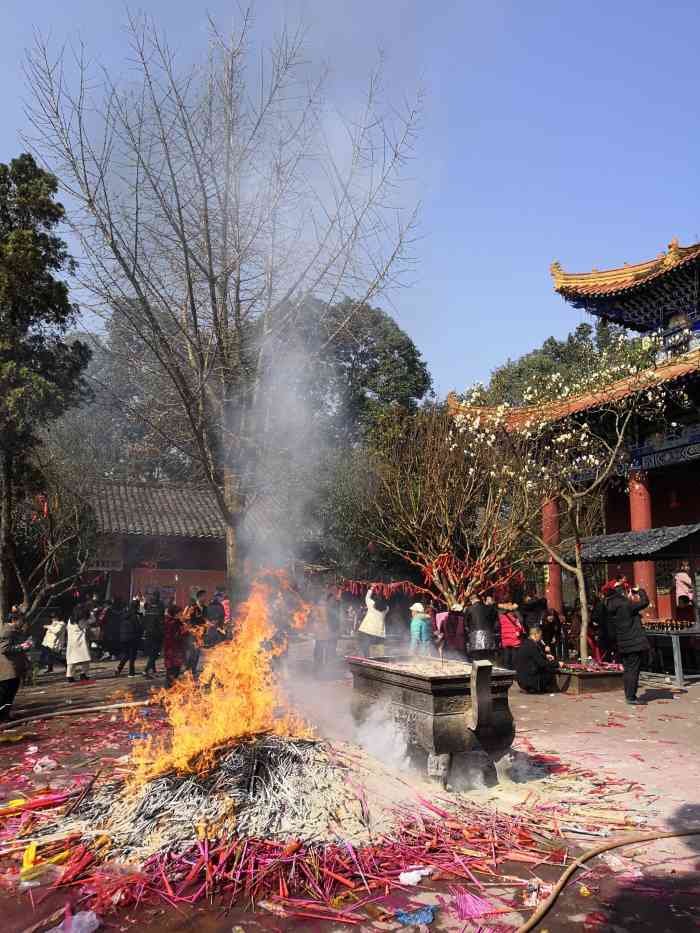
240, 804
204, 852
235, 758
236, 762
335, 880
236, 699
273, 788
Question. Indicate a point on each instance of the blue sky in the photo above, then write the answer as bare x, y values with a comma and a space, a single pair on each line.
563, 131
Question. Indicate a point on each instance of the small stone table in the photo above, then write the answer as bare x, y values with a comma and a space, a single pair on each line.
588, 681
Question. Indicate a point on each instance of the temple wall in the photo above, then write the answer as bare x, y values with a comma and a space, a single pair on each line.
675, 498
202, 560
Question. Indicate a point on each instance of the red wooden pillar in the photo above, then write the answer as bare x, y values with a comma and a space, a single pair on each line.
640, 520
550, 533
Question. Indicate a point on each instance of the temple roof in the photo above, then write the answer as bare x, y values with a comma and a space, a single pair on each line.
553, 411
641, 296
155, 509
628, 545
614, 281
173, 510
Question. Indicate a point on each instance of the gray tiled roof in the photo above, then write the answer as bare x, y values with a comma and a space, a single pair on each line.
631, 544
157, 509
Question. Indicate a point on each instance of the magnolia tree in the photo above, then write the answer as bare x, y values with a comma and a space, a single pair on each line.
568, 444
443, 500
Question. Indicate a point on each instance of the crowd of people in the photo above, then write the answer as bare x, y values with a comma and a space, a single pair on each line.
527, 636
115, 631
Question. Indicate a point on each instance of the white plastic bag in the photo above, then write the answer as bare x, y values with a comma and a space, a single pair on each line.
86, 921
45, 764
414, 877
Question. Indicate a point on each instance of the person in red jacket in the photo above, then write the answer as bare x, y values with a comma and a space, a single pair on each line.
512, 633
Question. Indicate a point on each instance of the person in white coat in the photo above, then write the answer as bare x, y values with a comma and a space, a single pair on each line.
78, 647
53, 643
372, 630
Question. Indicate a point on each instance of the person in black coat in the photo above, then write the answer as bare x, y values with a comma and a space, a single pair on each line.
111, 629
532, 609
130, 638
153, 628
624, 616
535, 668
215, 631
552, 634
480, 623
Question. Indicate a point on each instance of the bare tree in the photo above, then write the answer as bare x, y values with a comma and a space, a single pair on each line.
54, 531
209, 202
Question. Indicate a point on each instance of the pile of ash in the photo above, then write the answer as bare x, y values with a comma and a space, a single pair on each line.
272, 788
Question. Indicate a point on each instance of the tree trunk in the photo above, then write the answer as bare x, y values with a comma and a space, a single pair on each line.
233, 568
583, 602
5, 520
232, 576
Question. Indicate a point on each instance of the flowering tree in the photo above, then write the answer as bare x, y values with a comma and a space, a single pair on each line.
444, 502
565, 358
569, 442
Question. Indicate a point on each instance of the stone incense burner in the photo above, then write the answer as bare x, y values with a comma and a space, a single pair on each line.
446, 708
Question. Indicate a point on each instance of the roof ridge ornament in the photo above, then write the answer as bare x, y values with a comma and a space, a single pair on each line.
557, 273
673, 256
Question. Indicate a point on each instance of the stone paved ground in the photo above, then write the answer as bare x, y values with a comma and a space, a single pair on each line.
654, 887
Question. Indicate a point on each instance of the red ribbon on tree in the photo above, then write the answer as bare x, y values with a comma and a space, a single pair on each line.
359, 588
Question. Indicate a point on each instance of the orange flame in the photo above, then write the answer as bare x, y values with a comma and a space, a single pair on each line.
287, 591
237, 697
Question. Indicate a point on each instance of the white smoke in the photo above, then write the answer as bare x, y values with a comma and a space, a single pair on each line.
328, 709
380, 735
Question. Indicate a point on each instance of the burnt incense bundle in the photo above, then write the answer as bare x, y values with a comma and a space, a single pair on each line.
306, 829
273, 787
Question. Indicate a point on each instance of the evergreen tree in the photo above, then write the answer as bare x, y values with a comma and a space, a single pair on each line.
40, 373
580, 351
